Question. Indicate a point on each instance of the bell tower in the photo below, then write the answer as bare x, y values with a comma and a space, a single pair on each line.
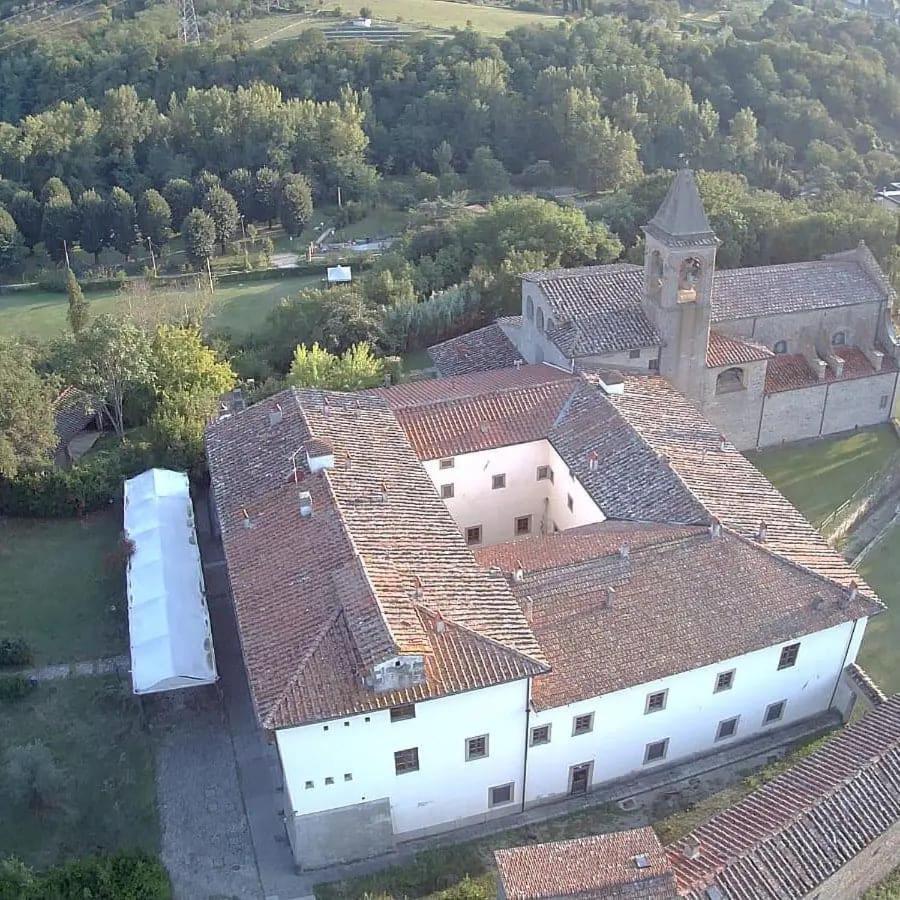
679, 265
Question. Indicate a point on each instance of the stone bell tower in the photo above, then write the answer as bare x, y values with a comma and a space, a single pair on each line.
679, 264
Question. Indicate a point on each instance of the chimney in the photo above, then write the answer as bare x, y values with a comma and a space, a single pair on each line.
625, 551
519, 572
417, 581
528, 609
691, 847
276, 414
440, 626
593, 460
306, 508
853, 591
723, 442
715, 528
518, 364
247, 522
761, 533
609, 595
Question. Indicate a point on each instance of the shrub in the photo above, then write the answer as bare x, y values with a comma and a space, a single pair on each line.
15, 687
15, 652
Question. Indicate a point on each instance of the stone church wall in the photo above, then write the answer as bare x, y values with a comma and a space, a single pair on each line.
859, 402
736, 413
792, 415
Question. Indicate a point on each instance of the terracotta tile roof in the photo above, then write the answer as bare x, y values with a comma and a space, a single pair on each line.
477, 351
724, 481
360, 577
728, 351
756, 599
790, 371
74, 411
600, 866
789, 836
597, 309
792, 287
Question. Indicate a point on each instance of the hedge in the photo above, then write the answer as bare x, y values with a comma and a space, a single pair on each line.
15, 652
121, 876
15, 687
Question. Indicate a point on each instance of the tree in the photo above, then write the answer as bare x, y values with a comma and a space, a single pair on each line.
219, 205
295, 204
199, 233
154, 218
59, 225
179, 194
443, 158
239, 184
122, 217
203, 184
109, 360
33, 776
55, 188
27, 423
12, 244
27, 213
78, 306
355, 369
265, 195
486, 175
94, 234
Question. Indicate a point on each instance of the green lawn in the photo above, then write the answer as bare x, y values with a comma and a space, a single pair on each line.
60, 589
92, 728
241, 307
881, 568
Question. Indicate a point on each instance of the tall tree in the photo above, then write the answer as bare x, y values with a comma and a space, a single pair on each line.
203, 184
27, 213
12, 244
59, 225
199, 233
94, 234
154, 218
122, 216
55, 187
27, 423
219, 205
265, 195
179, 194
295, 204
78, 307
356, 368
239, 184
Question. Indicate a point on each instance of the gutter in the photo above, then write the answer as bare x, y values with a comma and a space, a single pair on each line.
527, 732
843, 664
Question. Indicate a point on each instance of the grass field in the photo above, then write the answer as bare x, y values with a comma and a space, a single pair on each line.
817, 478
58, 585
240, 307
107, 802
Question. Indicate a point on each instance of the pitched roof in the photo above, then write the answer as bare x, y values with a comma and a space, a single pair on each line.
599, 866
354, 584
73, 410
792, 287
597, 309
477, 351
681, 219
790, 371
789, 836
591, 603
723, 350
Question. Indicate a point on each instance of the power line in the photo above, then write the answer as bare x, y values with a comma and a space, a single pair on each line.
56, 27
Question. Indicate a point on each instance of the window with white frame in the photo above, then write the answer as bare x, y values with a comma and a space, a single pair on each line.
727, 728
656, 702
540, 734
788, 656
406, 760
447, 492
724, 681
523, 525
447, 463
774, 712
501, 794
498, 482
545, 473
476, 747
473, 534
656, 751
583, 724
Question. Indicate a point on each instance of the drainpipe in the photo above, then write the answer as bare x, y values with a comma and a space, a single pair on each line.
893, 397
824, 408
527, 731
844, 663
762, 414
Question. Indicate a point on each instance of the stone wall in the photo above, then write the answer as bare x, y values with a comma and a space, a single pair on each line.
862, 872
736, 413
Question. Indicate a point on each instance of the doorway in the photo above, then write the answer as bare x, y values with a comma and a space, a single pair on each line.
580, 778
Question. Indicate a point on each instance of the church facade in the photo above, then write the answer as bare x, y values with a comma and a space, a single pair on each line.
771, 354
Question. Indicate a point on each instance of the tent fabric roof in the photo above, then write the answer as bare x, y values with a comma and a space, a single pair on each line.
168, 620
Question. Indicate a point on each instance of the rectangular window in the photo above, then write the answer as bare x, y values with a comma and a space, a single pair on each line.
448, 463
656, 701
885, 399
774, 712
545, 473
656, 751
523, 525
401, 713
473, 534
583, 724
446, 491
653, 365
498, 482
501, 794
634, 354
724, 681
570, 503
540, 734
727, 728
788, 656
477, 747
406, 761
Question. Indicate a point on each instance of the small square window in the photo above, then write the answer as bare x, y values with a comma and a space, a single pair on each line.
727, 728
523, 525
545, 473
570, 503
788, 656
724, 681
540, 734
634, 354
446, 491
583, 724
309, 784
498, 482
348, 776
401, 713
448, 463
476, 747
656, 701
329, 780
656, 751
406, 761
774, 712
653, 365
501, 794
473, 534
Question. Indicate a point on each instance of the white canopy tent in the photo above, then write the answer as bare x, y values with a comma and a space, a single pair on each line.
168, 621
